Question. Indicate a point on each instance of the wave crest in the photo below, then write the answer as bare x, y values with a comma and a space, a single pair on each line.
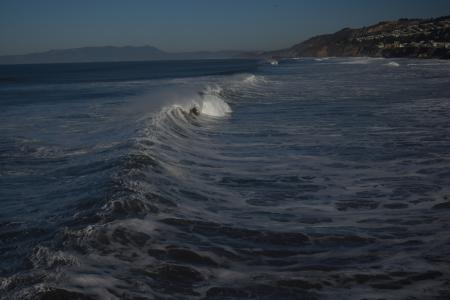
213, 105
392, 64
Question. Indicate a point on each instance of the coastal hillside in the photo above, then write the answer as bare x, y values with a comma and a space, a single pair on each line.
413, 38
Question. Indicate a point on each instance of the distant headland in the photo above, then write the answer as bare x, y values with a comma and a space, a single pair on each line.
411, 38
112, 54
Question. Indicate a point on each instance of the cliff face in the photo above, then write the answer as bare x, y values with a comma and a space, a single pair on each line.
403, 38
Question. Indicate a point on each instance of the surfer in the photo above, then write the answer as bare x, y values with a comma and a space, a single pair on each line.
195, 111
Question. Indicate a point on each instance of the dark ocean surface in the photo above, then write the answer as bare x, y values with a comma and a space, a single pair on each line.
226, 179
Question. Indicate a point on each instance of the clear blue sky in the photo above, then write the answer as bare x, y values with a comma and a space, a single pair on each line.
186, 25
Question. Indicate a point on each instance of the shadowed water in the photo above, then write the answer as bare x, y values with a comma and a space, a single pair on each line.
313, 179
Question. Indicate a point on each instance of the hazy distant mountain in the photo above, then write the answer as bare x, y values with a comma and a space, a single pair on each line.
110, 53
415, 38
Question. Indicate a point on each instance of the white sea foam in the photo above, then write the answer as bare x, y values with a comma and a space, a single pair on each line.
215, 106
359, 60
392, 64
211, 103
205, 97
251, 79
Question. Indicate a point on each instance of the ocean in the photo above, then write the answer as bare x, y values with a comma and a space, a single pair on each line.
225, 179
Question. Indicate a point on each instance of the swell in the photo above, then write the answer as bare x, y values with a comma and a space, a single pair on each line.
29, 75
173, 147
159, 171
316, 185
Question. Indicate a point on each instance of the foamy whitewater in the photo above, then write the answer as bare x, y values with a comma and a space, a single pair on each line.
228, 179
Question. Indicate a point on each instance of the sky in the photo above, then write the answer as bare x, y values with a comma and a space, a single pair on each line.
189, 25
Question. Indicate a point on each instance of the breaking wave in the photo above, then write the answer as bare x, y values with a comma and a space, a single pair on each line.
392, 64
282, 184
360, 60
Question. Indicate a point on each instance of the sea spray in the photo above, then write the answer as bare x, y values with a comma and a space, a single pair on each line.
212, 104
301, 193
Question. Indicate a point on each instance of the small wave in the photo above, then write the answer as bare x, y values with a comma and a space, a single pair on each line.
393, 64
245, 79
428, 64
322, 59
359, 60
251, 79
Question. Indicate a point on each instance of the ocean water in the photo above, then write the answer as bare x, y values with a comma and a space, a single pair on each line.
226, 179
